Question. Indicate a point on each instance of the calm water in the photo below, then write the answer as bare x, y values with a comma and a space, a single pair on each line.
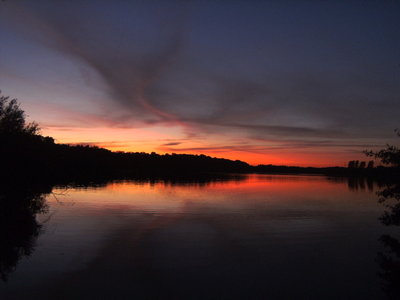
262, 237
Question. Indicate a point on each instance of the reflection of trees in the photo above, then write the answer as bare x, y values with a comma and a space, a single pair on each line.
390, 266
19, 228
20, 204
389, 259
360, 183
390, 197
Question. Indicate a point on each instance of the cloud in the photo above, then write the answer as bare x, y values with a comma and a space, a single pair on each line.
276, 146
175, 65
130, 74
172, 144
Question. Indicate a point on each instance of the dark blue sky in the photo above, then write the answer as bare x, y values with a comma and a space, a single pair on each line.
306, 82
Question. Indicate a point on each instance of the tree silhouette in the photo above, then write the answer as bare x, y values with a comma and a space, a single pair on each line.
356, 164
389, 196
389, 155
13, 118
351, 164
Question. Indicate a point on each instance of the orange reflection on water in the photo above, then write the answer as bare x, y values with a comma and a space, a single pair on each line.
247, 192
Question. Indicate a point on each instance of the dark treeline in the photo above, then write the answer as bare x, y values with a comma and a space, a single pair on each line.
332, 171
38, 157
25, 153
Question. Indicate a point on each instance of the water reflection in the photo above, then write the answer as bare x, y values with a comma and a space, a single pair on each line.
22, 203
360, 183
228, 237
18, 225
389, 259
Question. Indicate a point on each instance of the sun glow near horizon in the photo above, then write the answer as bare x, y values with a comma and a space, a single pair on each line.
172, 140
239, 83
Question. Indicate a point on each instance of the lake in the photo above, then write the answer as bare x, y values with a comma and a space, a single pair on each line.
249, 237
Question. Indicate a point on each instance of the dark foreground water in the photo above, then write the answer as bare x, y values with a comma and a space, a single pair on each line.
260, 237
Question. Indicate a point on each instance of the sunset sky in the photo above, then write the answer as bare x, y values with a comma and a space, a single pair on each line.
281, 82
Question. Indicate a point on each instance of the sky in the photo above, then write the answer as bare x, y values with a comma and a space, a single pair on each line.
308, 83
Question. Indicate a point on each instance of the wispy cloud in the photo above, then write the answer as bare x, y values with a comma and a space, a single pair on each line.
188, 65
172, 144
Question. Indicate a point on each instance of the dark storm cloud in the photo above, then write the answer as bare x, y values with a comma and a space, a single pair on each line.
255, 70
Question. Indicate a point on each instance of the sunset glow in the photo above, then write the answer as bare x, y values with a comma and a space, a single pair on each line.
211, 149
242, 83
172, 140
